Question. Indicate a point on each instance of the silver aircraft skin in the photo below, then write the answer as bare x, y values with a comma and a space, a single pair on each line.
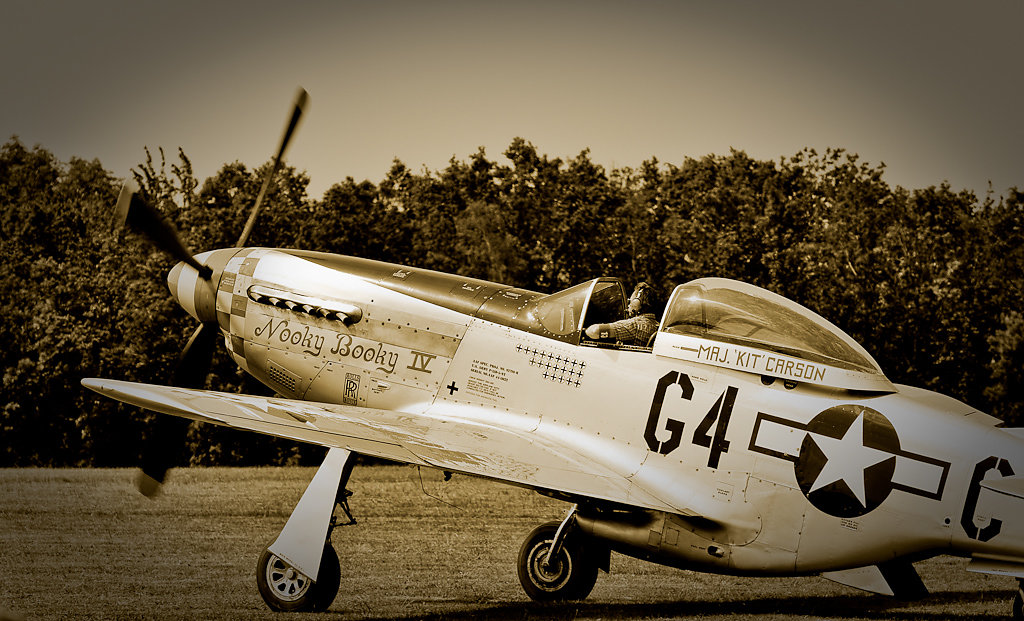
751, 437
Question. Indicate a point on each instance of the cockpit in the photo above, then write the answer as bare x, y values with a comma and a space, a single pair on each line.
734, 325
721, 322
733, 312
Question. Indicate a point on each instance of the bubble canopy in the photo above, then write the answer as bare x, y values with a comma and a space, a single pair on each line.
737, 313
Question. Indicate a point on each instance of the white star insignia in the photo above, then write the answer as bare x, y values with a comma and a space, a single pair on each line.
848, 458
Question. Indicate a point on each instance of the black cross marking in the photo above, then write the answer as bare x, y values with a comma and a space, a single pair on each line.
452, 388
564, 370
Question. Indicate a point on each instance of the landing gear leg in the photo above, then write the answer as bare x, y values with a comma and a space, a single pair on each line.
300, 571
1018, 601
554, 563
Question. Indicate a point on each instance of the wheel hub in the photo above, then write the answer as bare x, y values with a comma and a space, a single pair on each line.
548, 575
287, 584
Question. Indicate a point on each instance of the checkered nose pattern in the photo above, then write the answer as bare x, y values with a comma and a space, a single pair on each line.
195, 294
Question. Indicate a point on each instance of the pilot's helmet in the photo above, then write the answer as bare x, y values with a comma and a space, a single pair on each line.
643, 292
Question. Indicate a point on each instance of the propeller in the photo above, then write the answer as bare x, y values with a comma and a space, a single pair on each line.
164, 446
169, 434
133, 212
301, 99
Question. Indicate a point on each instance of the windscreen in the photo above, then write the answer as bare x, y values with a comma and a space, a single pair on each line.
560, 315
560, 312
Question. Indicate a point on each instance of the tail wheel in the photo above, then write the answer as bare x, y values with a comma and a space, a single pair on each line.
285, 589
570, 575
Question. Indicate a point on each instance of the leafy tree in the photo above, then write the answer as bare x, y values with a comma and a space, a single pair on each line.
342, 222
489, 249
929, 280
528, 191
73, 303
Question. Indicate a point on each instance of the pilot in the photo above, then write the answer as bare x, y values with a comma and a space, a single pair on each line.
639, 324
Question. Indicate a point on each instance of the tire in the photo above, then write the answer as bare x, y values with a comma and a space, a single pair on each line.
571, 576
284, 589
1018, 603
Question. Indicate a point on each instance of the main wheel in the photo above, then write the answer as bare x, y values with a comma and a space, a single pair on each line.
570, 575
1018, 602
285, 589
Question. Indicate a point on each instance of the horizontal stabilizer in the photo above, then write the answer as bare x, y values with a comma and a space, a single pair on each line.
999, 567
1011, 486
896, 578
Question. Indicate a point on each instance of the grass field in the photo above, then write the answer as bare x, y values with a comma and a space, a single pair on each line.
82, 544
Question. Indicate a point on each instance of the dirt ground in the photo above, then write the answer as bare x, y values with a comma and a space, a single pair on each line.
83, 544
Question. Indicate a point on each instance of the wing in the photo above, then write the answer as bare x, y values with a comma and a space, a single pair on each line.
516, 456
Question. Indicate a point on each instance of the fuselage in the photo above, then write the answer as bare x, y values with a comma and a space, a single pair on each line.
757, 473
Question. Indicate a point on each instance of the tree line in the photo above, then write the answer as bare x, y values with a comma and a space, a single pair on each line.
928, 280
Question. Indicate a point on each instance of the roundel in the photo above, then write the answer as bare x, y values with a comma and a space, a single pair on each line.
847, 460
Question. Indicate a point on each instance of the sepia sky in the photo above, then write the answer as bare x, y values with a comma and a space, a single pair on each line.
932, 89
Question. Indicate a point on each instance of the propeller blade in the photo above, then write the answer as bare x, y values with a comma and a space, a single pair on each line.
169, 434
140, 216
163, 448
301, 98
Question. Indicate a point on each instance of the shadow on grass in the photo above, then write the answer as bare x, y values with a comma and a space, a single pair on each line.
823, 607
